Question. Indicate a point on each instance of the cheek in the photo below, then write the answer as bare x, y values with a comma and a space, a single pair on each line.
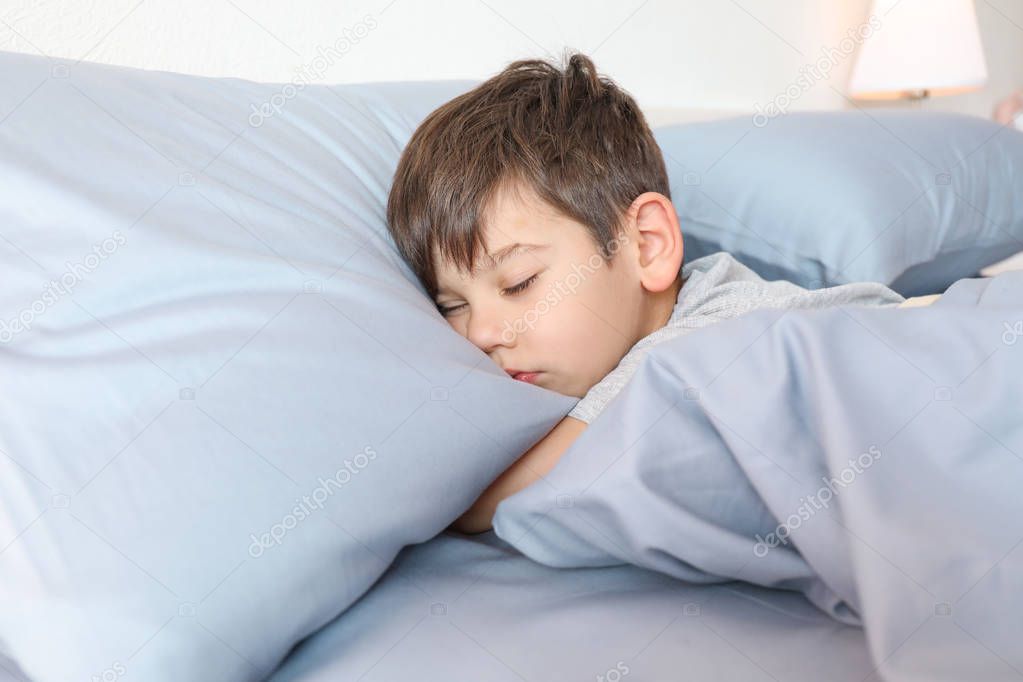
573, 331
568, 311
604, 319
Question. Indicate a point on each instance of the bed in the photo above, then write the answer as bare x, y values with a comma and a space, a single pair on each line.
160, 529
473, 608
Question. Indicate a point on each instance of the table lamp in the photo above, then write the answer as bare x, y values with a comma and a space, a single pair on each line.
922, 48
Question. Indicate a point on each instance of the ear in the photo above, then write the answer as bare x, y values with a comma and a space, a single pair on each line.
659, 239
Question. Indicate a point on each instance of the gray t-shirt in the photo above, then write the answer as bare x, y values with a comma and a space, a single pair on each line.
718, 287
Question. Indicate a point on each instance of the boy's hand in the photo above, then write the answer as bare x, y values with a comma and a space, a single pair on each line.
915, 301
537, 461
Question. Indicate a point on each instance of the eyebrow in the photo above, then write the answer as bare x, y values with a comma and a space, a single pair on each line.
506, 252
502, 255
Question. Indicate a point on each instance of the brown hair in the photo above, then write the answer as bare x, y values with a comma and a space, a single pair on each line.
575, 138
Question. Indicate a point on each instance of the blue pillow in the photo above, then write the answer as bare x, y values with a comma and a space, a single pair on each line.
915, 200
226, 402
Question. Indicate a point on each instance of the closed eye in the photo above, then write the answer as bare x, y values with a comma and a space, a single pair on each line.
521, 286
447, 310
510, 291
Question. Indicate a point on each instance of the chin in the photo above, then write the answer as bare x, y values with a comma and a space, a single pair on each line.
571, 392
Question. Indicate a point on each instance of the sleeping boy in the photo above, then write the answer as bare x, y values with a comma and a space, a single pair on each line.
536, 211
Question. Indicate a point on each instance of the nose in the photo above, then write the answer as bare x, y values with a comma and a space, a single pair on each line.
488, 329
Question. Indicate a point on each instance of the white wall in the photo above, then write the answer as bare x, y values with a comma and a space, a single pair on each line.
718, 54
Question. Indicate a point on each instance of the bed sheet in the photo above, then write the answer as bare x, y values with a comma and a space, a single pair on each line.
473, 608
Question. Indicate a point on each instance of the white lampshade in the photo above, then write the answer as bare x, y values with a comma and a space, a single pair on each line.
921, 45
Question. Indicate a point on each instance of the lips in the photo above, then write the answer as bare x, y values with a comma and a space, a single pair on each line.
521, 375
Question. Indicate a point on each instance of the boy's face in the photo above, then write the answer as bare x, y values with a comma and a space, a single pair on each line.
552, 307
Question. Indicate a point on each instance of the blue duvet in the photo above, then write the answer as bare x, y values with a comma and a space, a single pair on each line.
869, 458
